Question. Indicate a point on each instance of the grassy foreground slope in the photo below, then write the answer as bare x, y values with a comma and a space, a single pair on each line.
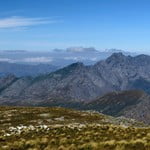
31, 128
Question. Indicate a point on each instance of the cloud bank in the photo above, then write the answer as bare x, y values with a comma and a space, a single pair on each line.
38, 60
28, 60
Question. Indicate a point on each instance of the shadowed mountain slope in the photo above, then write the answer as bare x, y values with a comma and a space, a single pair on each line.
132, 104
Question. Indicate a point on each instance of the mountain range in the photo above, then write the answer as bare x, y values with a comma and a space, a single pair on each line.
119, 85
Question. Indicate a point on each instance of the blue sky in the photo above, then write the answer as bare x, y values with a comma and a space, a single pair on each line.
48, 24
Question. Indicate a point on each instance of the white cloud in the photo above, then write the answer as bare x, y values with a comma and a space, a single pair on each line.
17, 22
81, 58
74, 58
6, 60
37, 60
28, 60
94, 59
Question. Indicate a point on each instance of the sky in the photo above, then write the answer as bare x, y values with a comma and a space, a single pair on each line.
49, 24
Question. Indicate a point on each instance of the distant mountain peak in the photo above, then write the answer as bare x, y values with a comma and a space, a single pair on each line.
69, 69
75, 66
116, 57
142, 57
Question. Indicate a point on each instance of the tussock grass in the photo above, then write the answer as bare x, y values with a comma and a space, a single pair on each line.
31, 128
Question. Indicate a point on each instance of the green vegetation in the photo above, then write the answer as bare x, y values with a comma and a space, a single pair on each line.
31, 128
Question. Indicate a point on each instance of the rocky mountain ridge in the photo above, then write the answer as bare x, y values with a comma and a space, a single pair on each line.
79, 82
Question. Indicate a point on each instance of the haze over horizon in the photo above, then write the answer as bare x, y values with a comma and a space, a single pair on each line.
49, 24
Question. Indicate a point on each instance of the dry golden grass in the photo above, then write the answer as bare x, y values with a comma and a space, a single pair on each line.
25, 128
